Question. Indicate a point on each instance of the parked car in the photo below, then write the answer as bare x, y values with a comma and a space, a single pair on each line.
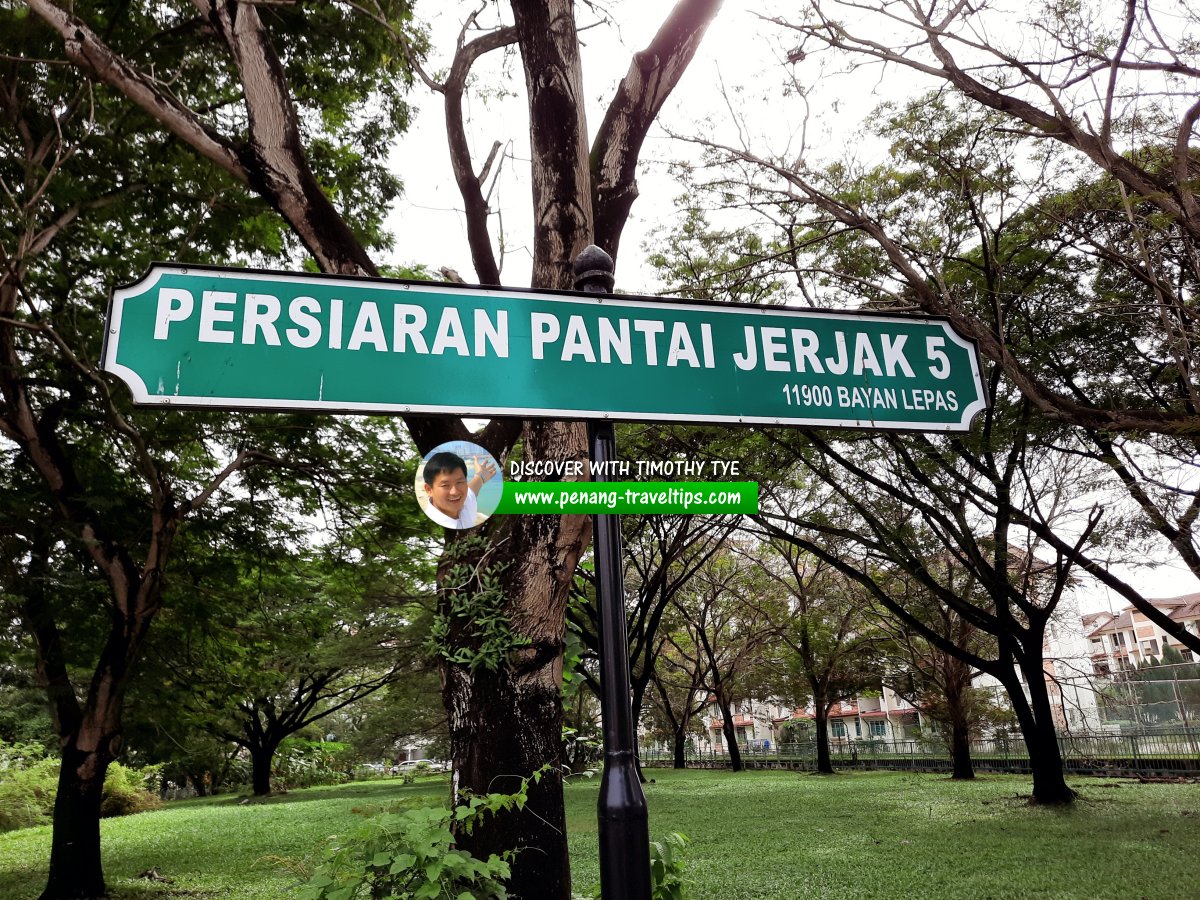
420, 766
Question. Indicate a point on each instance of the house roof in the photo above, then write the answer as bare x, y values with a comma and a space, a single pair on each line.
1183, 608
1122, 622
1181, 600
1188, 610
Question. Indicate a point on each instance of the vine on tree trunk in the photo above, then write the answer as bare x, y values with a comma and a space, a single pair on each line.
473, 627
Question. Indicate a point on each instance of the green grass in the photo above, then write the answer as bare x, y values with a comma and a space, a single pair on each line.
755, 836
788, 835
213, 846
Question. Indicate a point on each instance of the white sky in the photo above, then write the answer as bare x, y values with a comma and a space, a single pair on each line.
741, 57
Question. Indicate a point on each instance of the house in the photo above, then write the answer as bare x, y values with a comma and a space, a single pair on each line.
885, 716
753, 722
766, 724
1122, 641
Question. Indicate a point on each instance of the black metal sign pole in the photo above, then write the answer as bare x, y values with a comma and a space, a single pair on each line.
624, 820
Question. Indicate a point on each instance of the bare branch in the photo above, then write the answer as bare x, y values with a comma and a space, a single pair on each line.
470, 186
653, 75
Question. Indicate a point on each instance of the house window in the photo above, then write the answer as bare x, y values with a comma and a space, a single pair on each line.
838, 728
857, 728
1186, 654
1118, 639
1150, 647
878, 729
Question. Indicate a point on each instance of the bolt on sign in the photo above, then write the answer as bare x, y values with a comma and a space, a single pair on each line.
232, 338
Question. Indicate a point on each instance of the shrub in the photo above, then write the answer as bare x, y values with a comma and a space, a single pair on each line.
302, 763
403, 855
126, 791
14, 757
411, 854
29, 783
27, 794
666, 867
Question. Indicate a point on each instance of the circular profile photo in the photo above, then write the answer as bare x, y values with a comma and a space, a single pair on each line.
459, 484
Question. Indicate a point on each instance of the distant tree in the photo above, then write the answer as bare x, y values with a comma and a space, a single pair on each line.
1100, 79
679, 695
1063, 246
904, 505
939, 682
823, 627
728, 634
662, 553
1185, 677
407, 711
700, 261
271, 631
1155, 692
93, 191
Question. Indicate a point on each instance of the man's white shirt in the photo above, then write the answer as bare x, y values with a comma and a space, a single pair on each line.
466, 517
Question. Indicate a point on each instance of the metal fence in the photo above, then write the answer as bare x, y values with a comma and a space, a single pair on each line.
1175, 752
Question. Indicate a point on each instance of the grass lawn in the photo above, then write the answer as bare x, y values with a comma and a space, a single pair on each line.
758, 835
212, 846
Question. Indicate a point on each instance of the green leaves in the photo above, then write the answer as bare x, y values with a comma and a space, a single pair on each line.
666, 867
411, 854
473, 627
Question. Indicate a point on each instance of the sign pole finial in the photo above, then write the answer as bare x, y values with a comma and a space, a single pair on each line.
594, 269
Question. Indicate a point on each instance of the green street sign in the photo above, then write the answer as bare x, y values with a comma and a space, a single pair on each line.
200, 336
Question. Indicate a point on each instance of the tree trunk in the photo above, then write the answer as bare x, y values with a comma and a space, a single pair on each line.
561, 171
505, 718
680, 761
75, 868
260, 768
1037, 729
824, 762
197, 780
524, 740
90, 735
509, 720
960, 751
639, 694
730, 734
957, 702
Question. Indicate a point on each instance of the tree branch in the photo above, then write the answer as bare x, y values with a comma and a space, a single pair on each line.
652, 76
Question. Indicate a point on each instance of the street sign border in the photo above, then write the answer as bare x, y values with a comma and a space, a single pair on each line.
142, 397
